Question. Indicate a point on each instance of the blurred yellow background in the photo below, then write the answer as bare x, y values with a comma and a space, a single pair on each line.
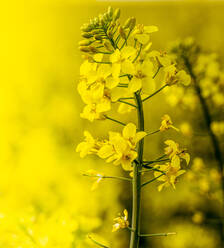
44, 199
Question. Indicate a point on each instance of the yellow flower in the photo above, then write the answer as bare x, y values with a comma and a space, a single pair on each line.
95, 90
172, 171
86, 147
167, 123
141, 33
130, 134
121, 222
218, 127
124, 108
122, 61
142, 78
175, 153
172, 76
99, 177
120, 149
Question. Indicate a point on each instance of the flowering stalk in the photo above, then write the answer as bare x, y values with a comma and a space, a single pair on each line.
136, 183
214, 139
120, 68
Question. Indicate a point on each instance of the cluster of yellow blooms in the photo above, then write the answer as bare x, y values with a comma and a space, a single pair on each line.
119, 66
119, 149
171, 170
112, 71
207, 71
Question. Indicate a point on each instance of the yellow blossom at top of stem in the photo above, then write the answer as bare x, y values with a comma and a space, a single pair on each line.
121, 222
167, 124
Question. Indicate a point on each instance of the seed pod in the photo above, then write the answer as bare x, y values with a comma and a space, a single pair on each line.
85, 42
87, 35
122, 32
116, 14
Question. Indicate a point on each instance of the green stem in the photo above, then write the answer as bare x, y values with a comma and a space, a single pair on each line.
157, 234
96, 242
136, 183
157, 71
153, 132
110, 177
152, 180
139, 51
125, 42
157, 91
111, 119
128, 103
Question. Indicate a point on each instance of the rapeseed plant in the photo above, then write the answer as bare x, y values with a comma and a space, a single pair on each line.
120, 67
206, 91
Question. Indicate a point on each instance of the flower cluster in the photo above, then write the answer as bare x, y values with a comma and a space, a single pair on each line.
118, 62
120, 69
169, 172
119, 148
121, 222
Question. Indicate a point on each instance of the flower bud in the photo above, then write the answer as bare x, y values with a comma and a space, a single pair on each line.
110, 34
86, 28
116, 14
110, 11
98, 37
127, 23
85, 42
108, 45
132, 23
87, 35
122, 32
84, 49
93, 49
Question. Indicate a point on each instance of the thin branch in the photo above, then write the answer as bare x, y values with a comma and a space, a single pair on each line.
102, 62
157, 71
128, 103
157, 91
96, 242
139, 51
152, 180
153, 132
111, 119
110, 177
125, 42
157, 234
156, 161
